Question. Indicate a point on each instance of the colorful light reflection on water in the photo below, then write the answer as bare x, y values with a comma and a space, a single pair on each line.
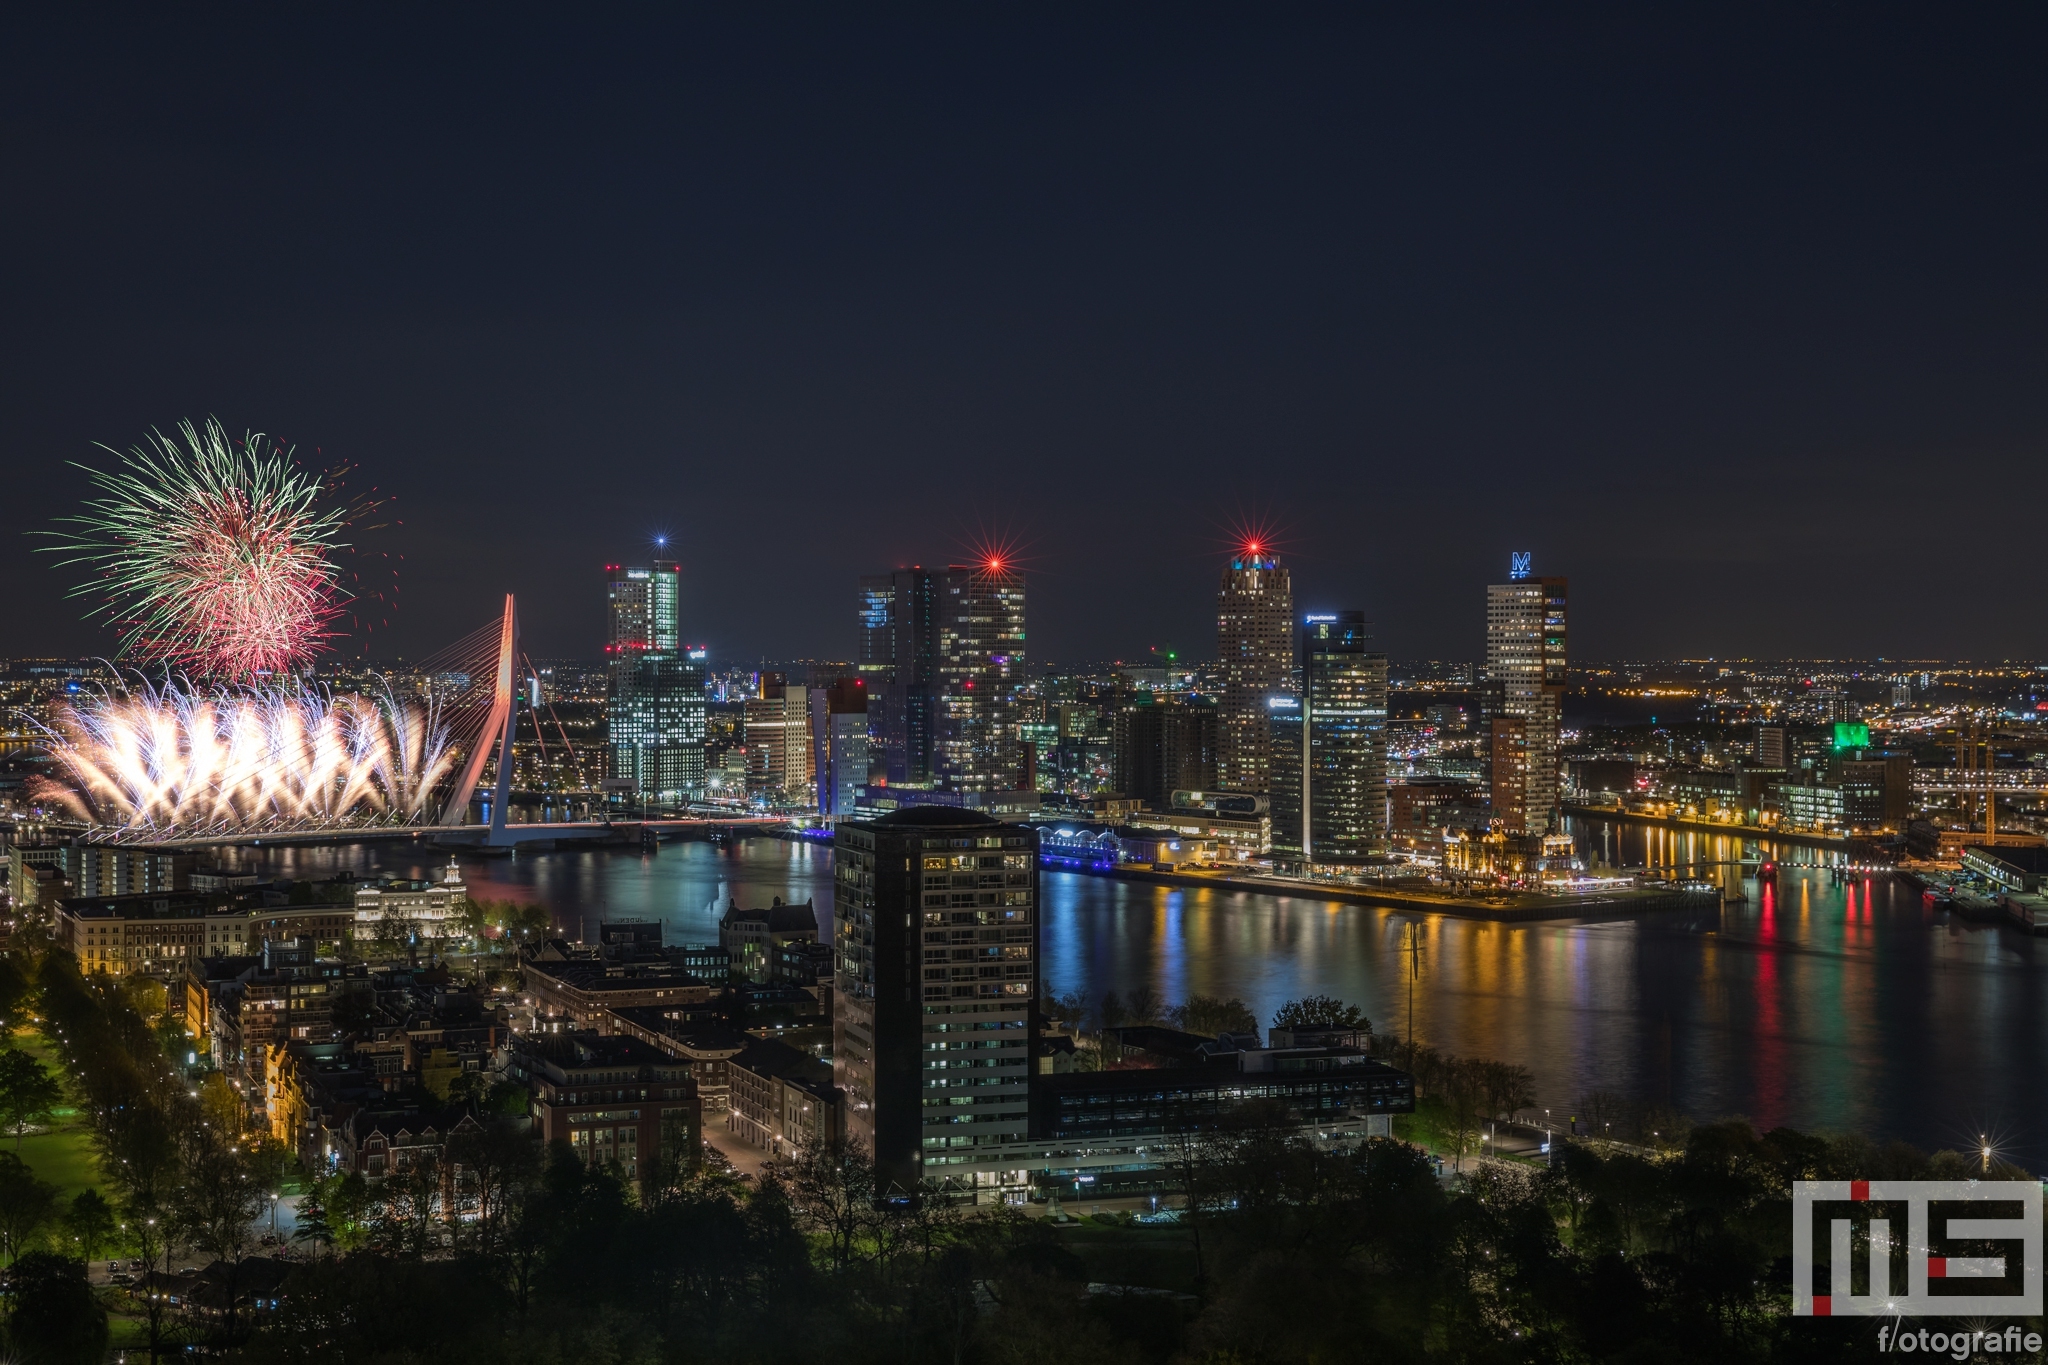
1825, 1005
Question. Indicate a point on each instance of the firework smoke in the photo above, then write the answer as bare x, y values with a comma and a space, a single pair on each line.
216, 557
193, 762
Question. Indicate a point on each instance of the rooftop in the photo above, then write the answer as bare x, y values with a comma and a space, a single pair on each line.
936, 817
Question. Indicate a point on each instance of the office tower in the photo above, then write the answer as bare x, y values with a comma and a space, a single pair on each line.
839, 743
656, 725
1163, 747
981, 669
935, 938
899, 661
1770, 746
645, 609
655, 712
1525, 672
1254, 629
778, 740
1329, 758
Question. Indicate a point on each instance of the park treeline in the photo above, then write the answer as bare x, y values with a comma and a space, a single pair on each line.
1285, 1253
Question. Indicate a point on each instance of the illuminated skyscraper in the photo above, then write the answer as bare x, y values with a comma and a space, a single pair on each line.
935, 945
943, 656
981, 670
1329, 756
655, 725
778, 738
655, 715
1254, 630
899, 662
1525, 665
646, 609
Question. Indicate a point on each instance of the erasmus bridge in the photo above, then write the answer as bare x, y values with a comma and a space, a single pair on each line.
179, 766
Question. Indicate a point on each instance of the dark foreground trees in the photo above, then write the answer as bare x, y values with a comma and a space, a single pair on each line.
1306, 1256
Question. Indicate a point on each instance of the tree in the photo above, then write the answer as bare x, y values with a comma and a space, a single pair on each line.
90, 1220
218, 1204
27, 1205
1211, 1017
1320, 1011
27, 1092
1143, 1006
1507, 1088
56, 1320
151, 1228
831, 1189
412, 1203
1464, 1094
221, 1105
469, 1089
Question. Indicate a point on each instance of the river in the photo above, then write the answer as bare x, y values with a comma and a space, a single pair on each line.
1822, 1005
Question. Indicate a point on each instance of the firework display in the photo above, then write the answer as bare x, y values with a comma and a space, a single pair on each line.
215, 557
182, 760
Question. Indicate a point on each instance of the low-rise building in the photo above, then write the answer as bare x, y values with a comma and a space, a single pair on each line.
782, 1098
395, 909
583, 992
2015, 871
614, 1099
161, 934
705, 1046
750, 937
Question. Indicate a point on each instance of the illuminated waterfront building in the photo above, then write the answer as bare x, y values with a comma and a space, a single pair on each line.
1163, 747
839, 743
943, 656
778, 740
1329, 758
656, 725
1525, 668
1509, 767
654, 714
935, 939
1254, 628
899, 662
981, 670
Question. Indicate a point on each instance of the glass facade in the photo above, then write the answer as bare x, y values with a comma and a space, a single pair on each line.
1329, 758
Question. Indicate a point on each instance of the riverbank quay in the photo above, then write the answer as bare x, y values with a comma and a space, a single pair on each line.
1776, 836
1505, 906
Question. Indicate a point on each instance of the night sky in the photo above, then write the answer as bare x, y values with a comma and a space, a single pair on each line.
1737, 317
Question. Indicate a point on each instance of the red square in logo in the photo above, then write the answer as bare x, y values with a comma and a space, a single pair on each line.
1859, 1190
1937, 1267
1822, 1308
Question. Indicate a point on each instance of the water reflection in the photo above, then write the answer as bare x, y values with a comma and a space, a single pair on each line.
1810, 1002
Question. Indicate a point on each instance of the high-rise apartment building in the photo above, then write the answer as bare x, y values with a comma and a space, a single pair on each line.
839, 743
981, 671
1525, 668
655, 712
935, 941
943, 655
778, 741
1254, 639
1329, 755
1161, 748
899, 662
